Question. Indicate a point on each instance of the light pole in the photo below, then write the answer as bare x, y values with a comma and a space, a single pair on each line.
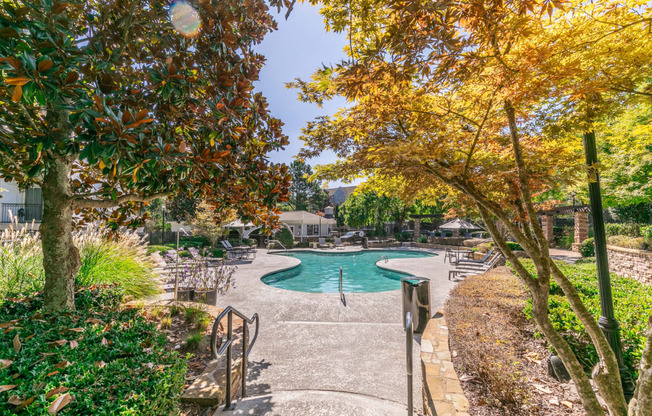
163, 225
607, 321
176, 269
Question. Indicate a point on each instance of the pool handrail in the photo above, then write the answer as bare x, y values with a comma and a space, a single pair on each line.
384, 257
341, 293
279, 243
228, 346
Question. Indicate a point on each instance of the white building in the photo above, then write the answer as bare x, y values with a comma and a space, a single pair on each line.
25, 205
304, 224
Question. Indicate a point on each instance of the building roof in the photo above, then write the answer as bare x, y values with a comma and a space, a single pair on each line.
302, 217
348, 190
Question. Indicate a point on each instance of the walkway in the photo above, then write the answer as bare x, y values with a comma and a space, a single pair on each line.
315, 356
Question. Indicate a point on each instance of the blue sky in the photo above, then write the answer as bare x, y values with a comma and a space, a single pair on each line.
296, 50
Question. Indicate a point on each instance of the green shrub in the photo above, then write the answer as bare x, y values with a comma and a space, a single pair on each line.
632, 302
302, 244
118, 366
629, 229
122, 260
484, 247
104, 259
423, 239
193, 340
636, 243
21, 261
215, 252
157, 249
285, 237
514, 246
185, 254
646, 232
587, 248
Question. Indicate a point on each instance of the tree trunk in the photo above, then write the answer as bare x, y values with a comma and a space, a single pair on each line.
61, 259
641, 403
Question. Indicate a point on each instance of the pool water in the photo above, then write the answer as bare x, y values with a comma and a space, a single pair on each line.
320, 272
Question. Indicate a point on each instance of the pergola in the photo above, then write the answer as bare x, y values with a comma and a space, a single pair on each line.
580, 219
417, 221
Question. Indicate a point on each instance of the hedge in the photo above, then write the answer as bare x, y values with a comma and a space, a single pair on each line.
110, 361
632, 302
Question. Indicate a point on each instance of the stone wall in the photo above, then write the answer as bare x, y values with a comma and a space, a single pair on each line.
442, 392
636, 264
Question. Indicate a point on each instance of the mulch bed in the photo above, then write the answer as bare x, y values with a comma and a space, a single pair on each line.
502, 366
200, 357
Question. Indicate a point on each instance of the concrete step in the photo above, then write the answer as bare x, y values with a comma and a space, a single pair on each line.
314, 403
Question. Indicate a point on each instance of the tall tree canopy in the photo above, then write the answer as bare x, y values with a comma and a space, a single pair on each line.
305, 193
488, 97
104, 105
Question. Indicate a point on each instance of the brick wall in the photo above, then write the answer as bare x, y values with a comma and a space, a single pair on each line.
636, 264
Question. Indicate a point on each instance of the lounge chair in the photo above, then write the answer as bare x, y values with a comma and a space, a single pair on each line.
465, 269
323, 244
485, 259
338, 244
244, 252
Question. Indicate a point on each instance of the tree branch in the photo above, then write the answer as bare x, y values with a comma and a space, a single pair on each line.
108, 203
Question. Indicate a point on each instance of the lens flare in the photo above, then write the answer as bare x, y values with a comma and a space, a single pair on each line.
185, 18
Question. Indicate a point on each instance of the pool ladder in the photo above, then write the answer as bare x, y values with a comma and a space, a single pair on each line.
384, 257
277, 242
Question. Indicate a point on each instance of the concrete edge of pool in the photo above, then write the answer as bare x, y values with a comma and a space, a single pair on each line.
348, 252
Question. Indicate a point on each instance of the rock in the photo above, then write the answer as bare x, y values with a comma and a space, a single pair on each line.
557, 370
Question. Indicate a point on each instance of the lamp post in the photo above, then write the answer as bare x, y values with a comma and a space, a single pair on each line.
607, 321
163, 226
176, 271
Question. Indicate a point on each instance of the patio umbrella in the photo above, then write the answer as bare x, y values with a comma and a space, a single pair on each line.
457, 224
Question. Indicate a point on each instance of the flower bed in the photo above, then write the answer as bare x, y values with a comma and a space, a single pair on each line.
98, 360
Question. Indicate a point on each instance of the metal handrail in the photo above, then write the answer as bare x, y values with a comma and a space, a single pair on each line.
408, 347
228, 346
341, 293
384, 257
279, 243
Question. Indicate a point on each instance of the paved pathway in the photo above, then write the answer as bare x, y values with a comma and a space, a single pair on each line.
315, 356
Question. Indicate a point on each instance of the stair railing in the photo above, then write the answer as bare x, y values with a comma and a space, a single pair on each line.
228, 347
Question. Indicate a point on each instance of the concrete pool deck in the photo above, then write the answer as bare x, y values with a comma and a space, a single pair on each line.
316, 356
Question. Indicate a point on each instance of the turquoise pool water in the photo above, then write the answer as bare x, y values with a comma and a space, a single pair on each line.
320, 272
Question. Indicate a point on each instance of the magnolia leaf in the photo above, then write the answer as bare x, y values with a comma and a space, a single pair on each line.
104, 341
61, 402
5, 363
56, 391
93, 321
15, 400
73, 344
52, 373
100, 364
18, 81
71, 77
17, 344
45, 65
63, 364
17, 94
26, 403
7, 387
5, 325
58, 343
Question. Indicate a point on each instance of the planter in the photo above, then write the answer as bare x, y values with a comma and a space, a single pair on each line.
184, 293
208, 297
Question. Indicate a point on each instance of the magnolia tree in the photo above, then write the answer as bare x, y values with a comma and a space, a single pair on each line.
107, 105
489, 98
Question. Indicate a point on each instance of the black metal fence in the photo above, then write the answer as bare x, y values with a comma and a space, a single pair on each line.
161, 237
22, 212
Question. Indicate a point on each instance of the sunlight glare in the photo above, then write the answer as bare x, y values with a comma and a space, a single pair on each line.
185, 18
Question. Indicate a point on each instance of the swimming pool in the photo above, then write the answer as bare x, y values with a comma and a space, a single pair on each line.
320, 272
